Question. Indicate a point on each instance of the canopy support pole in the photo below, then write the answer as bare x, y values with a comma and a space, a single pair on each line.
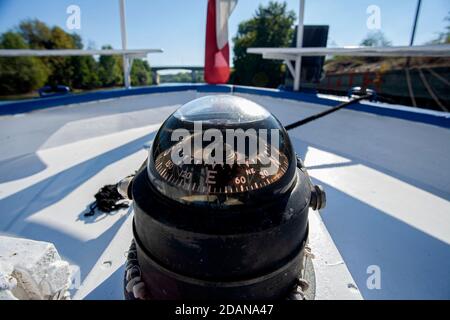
126, 60
298, 60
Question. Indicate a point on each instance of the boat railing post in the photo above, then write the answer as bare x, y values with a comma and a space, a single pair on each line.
127, 65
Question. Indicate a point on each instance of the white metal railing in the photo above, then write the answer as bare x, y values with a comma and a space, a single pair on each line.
295, 54
136, 53
128, 55
401, 51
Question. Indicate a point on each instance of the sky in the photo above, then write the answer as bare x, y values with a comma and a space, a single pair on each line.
178, 26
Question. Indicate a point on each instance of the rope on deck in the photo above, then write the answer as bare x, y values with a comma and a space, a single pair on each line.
326, 112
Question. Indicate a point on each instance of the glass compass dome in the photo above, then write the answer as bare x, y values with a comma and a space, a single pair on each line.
221, 151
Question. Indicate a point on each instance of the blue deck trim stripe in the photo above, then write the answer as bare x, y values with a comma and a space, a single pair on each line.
11, 108
44, 103
441, 119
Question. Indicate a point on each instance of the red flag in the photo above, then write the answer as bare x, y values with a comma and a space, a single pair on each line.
217, 52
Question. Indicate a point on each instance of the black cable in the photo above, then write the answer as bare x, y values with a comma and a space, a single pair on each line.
326, 112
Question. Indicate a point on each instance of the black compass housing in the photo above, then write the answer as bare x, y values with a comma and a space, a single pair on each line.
239, 233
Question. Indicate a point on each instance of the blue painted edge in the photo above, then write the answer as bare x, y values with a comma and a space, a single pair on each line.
44, 103
440, 119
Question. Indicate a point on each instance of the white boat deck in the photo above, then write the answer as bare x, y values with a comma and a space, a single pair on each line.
387, 182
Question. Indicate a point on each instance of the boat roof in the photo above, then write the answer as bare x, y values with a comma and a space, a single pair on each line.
385, 170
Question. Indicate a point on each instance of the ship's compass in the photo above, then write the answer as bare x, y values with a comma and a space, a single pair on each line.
221, 151
221, 207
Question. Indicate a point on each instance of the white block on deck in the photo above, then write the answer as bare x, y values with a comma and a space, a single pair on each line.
7, 284
32, 270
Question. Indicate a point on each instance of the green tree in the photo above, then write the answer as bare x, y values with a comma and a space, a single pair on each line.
444, 37
183, 77
83, 70
19, 74
86, 74
140, 73
63, 68
110, 69
376, 39
36, 33
78, 42
24, 74
77, 72
271, 26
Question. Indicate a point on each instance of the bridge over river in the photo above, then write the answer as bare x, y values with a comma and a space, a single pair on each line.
192, 69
